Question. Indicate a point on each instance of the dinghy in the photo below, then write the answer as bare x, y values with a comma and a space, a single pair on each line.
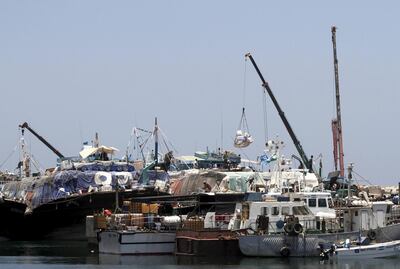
378, 250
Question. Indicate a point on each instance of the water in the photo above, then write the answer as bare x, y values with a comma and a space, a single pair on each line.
69, 254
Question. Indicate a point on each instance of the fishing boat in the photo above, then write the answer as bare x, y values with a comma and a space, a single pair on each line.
60, 198
283, 228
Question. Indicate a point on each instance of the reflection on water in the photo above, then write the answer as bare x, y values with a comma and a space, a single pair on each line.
67, 252
45, 254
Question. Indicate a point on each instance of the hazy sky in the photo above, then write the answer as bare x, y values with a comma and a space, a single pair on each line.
71, 68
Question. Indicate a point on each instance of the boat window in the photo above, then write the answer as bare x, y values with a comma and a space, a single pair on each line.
321, 202
388, 208
301, 210
285, 210
312, 202
275, 211
264, 211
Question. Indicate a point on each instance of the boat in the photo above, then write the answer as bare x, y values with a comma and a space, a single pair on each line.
138, 233
287, 228
38, 206
378, 250
136, 242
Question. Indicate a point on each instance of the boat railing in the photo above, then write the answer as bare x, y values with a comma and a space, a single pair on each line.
137, 221
277, 226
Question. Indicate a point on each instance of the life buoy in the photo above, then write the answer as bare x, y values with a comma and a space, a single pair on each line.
285, 251
371, 235
298, 228
288, 227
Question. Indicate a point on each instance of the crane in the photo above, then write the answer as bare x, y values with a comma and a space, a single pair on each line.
338, 154
26, 126
306, 162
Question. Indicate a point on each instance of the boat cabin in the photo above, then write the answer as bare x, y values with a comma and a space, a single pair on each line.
376, 215
247, 215
320, 203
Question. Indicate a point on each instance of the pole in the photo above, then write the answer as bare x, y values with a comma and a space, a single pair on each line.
349, 177
156, 141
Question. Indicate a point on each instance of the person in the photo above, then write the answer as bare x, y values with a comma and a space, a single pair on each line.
168, 157
206, 187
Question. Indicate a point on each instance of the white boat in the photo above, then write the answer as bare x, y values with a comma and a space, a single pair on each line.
379, 250
136, 242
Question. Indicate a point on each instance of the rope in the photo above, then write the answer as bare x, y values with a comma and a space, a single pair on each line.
37, 165
362, 178
243, 122
166, 138
9, 155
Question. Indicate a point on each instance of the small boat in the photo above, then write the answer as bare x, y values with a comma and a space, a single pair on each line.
137, 234
379, 250
136, 242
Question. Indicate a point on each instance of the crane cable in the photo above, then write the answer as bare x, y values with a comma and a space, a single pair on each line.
264, 99
243, 120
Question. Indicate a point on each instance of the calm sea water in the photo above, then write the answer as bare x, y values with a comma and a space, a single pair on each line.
78, 254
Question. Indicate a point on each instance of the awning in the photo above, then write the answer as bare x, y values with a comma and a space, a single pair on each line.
188, 158
93, 150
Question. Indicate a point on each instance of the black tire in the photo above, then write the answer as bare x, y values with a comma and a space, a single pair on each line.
298, 228
285, 252
289, 227
371, 235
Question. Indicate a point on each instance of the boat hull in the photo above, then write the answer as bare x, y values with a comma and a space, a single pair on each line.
280, 246
136, 243
219, 243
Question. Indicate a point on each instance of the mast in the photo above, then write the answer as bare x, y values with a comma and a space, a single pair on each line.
24, 165
156, 141
303, 156
337, 123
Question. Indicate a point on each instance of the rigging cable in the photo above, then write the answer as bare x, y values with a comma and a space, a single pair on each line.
362, 178
165, 138
243, 120
264, 98
9, 155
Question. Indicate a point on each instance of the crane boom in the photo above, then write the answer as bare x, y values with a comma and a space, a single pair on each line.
337, 123
26, 126
303, 156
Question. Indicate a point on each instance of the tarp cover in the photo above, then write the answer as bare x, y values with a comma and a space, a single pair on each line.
36, 191
192, 181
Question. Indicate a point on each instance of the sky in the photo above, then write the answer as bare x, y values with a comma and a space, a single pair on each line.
73, 68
